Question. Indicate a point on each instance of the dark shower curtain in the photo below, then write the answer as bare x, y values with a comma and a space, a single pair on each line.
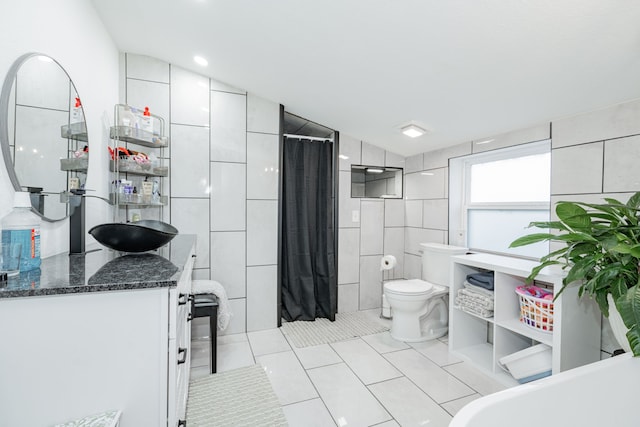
309, 282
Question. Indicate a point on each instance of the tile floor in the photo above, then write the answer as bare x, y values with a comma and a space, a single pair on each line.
368, 381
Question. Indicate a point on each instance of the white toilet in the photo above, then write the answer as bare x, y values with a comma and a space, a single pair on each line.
420, 308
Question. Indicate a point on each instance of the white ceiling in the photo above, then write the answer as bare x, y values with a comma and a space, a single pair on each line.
465, 69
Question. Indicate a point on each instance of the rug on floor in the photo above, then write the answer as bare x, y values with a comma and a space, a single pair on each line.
241, 397
323, 331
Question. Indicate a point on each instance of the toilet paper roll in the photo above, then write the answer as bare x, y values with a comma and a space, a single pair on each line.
388, 262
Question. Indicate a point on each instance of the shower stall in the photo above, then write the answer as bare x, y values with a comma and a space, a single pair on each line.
307, 220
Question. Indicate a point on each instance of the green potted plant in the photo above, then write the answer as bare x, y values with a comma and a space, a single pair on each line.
601, 251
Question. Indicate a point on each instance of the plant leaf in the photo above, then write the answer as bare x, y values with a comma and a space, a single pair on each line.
634, 201
573, 215
629, 308
530, 239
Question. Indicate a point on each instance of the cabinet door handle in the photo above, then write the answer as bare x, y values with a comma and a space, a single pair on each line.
189, 317
182, 299
183, 351
182, 423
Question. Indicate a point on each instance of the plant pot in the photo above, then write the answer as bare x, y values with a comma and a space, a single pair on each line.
617, 325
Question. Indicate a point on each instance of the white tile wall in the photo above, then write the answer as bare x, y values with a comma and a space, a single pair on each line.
351, 148
412, 266
577, 169
191, 216
413, 213
414, 236
147, 68
190, 146
372, 155
262, 297
621, 160
223, 87
612, 122
228, 196
436, 214
262, 115
370, 282
521, 136
394, 213
238, 321
394, 245
348, 255
346, 204
228, 252
440, 158
348, 299
154, 95
414, 163
189, 98
228, 127
421, 186
372, 223
393, 160
262, 166
262, 232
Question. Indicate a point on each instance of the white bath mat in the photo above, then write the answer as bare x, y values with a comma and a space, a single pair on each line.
241, 397
323, 331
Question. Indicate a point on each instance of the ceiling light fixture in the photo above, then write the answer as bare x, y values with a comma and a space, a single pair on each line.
374, 170
413, 131
200, 61
486, 141
343, 157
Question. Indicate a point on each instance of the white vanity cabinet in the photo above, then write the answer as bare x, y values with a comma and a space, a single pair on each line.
575, 339
66, 356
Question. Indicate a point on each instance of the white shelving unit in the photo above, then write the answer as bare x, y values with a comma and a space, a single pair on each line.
128, 133
575, 339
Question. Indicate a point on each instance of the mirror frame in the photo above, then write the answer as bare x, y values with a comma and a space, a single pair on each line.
5, 96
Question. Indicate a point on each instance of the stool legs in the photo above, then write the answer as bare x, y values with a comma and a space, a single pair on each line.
213, 327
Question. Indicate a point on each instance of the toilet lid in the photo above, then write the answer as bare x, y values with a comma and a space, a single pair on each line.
409, 287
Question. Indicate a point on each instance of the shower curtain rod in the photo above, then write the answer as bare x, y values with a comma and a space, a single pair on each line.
312, 138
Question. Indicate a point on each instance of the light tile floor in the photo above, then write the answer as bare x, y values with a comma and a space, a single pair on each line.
368, 381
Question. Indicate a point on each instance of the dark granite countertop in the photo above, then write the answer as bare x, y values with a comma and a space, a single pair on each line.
103, 269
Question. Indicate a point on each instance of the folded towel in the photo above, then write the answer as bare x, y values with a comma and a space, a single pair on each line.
213, 287
484, 279
478, 289
474, 298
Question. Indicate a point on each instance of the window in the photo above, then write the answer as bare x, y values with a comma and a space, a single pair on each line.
495, 195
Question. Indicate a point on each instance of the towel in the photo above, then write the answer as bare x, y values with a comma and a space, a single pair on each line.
213, 287
478, 289
484, 280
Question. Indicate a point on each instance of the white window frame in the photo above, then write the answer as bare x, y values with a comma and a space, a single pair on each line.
459, 188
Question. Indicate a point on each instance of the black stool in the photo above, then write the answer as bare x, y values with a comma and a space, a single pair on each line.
203, 305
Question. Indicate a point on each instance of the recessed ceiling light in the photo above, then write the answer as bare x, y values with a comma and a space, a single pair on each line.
413, 131
343, 157
200, 61
427, 173
486, 141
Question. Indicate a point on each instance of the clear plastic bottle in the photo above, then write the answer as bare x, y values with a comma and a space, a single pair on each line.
23, 226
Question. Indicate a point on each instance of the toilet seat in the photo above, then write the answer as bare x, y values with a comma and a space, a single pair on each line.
413, 287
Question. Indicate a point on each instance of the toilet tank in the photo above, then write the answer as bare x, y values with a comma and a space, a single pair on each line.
436, 261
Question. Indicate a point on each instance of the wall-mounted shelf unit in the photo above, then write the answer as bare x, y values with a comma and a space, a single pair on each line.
137, 155
76, 131
575, 339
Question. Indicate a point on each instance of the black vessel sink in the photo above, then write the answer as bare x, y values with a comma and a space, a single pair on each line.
140, 236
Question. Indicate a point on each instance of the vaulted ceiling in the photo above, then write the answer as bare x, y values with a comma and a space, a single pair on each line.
463, 69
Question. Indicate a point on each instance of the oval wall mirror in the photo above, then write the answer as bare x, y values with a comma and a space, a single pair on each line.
43, 133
